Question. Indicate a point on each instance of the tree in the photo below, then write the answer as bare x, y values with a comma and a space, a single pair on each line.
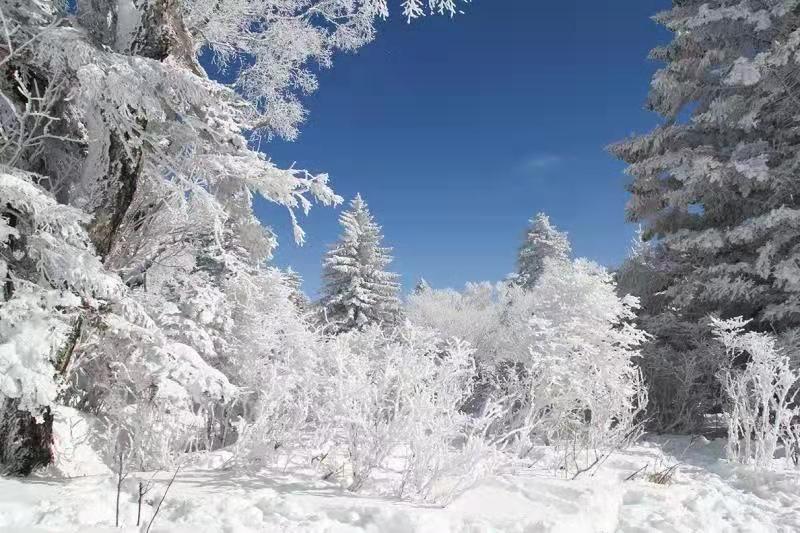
358, 290
108, 114
51, 277
718, 191
542, 240
295, 282
473, 314
421, 286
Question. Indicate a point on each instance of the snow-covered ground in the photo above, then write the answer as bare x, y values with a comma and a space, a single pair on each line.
706, 494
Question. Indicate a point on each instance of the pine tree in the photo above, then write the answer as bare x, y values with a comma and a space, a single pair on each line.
719, 191
294, 281
542, 240
421, 286
358, 291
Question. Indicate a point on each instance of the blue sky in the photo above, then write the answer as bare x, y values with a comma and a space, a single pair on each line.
456, 132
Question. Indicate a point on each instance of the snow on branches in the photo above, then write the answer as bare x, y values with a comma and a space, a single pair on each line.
761, 390
542, 240
557, 360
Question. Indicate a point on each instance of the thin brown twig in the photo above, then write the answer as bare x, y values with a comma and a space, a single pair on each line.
163, 496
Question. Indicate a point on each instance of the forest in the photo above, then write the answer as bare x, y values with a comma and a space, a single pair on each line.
159, 371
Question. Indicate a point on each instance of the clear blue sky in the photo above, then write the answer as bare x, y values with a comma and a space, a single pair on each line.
457, 131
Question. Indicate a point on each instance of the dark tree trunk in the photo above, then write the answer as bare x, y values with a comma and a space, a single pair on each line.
25, 443
122, 178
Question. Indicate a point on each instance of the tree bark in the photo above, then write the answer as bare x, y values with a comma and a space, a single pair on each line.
25, 443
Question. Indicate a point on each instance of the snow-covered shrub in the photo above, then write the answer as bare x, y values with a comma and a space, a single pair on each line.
562, 367
272, 354
49, 271
157, 398
761, 389
584, 389
446, 450
394, 402
472, 315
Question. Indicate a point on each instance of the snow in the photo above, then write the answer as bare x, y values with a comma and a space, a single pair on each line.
706, 493
195, 375
744, 72
74, 444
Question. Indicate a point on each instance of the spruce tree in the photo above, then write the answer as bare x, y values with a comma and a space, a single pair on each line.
294, 281
358, 291
716, 186
421, 286
542, 240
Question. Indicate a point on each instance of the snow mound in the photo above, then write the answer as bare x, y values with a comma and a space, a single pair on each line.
75, 445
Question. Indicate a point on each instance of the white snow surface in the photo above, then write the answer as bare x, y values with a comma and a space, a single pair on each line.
707, 494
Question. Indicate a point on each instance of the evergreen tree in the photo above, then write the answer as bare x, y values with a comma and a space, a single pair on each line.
358, 291
719, 191
542, 240
421, 286
294, 281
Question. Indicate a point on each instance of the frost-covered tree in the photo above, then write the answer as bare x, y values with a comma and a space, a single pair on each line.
421, 286
358, 290
51, 278
542, 240
680, 359
716, 184
295, 282
473, 314
107, 112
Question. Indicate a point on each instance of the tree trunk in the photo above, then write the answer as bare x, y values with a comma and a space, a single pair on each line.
25, 443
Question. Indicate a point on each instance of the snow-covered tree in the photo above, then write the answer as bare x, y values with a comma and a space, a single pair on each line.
358, 290
51, 278
107, 113
542, 240
680, 359
421, 286
473, 315
716, 184
717, 189
295, 282
583, 348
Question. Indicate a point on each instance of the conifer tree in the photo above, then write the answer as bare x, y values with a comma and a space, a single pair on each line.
294, 281
421, 286
358, 291
542, 240
719, 191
